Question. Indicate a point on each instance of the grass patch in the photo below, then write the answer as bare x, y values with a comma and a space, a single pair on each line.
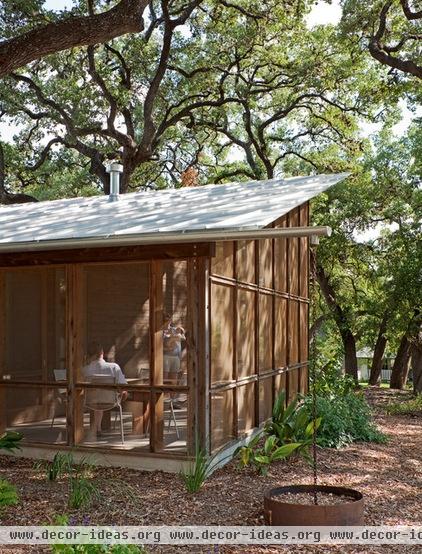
407, 407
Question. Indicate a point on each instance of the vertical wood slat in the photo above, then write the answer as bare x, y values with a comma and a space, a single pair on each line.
287, 308
3, 419
204, 339
44, 341
257, 303
74, 353
192, 354
156, 355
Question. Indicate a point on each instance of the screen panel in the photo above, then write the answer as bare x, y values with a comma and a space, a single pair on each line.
246, 407
292, 383
265, 399
304, 253
280, 347
266, 263
265, 332
34, 321
293, 332
116, 310
223, 261
245, 261
222, 312
293, 255
38, 413
221, 417
280, 260
245, 333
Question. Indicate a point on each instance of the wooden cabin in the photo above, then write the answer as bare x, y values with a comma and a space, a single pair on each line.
200, 295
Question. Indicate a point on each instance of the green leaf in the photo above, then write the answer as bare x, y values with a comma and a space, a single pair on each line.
285, 451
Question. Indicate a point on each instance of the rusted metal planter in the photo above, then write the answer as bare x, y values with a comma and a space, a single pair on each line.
277, 512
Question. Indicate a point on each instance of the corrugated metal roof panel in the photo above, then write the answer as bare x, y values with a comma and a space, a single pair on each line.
234, 206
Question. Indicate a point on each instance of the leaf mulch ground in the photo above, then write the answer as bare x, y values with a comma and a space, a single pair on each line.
389, 475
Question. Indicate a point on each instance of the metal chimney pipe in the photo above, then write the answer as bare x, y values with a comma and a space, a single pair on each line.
114, 169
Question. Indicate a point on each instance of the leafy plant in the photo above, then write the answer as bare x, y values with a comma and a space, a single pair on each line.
82, 492
344, 420
409, 407
263, 457
8, 494
10, 441
293, 424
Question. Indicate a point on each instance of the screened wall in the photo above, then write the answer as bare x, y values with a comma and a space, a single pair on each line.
54, 390
258, 328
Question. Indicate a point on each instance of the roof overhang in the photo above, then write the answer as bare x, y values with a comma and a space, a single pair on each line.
167, 238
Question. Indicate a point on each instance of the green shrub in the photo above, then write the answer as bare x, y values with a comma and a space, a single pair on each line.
332, 382
408, 407
344, 419
8, 495
10, 441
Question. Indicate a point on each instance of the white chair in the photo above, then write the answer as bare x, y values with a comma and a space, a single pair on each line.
103, 400
168, 403
60, 395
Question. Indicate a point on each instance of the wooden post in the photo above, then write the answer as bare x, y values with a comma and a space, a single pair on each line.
192, 353
203, 352
74, 353
3, 418
156, 355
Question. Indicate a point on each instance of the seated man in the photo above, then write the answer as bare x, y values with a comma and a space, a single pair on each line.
97, 366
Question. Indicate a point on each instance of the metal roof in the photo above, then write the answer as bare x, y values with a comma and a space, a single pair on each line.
235, 206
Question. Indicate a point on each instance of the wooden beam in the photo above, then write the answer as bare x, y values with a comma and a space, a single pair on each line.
108, 254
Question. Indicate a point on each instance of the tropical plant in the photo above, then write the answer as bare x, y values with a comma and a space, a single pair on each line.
8, 494
263, 457
10, 441
292, 424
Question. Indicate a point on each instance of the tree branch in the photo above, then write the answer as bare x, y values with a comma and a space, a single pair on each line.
125, 17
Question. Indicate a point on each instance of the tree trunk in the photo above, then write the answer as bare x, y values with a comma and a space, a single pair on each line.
379, 350
347, 337
401, 364
416, 363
